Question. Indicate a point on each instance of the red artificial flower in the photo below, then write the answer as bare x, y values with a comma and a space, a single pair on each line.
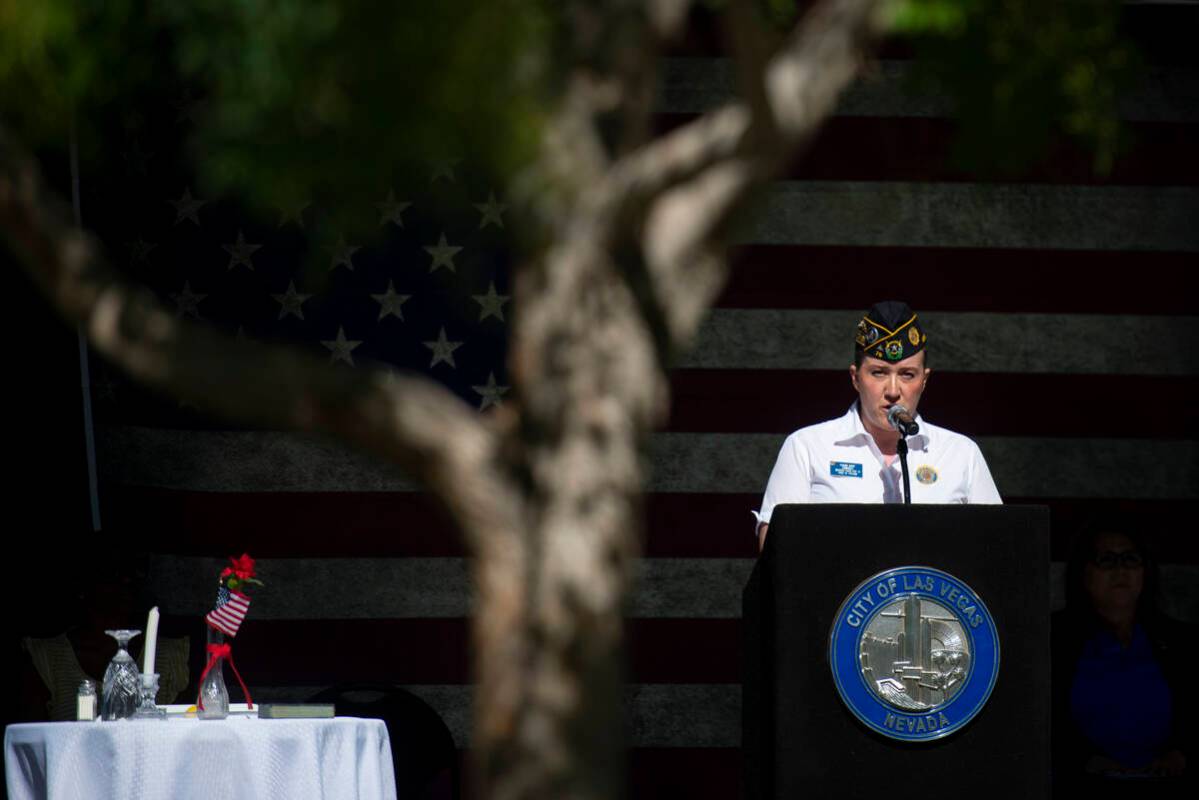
242, 567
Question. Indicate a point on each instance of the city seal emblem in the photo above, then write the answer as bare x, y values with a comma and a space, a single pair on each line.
914, 653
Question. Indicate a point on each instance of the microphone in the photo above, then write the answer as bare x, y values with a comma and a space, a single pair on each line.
901, 420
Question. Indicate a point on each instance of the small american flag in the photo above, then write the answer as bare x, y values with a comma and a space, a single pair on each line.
231, 608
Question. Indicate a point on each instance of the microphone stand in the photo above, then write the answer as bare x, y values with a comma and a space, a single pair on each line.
901, 447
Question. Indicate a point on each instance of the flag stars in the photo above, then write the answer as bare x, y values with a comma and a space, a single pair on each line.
187, 207
491, 211
136, 159
140, 250
392, 210
341, 347
187, 302
444, 170
293, 212
492, 304
240, 252
291, 301
443, 350
492, 393
390, 303
343, 254
443, 254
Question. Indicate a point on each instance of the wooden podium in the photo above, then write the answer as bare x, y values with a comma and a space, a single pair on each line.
800, 737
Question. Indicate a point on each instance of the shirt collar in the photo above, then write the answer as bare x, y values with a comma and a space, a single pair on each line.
853, 432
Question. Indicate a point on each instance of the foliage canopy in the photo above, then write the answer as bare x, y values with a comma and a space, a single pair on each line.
327, 99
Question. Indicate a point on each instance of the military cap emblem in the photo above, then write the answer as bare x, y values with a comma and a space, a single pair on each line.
914, 335
914, 653
894, 350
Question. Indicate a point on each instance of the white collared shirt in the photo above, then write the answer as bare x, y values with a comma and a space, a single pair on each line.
839, 462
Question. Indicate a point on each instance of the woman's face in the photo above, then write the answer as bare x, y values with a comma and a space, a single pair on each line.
1115, 575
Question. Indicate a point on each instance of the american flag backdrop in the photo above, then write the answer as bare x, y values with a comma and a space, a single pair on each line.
1060, 309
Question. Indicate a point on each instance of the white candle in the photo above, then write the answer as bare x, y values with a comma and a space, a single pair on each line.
151, 642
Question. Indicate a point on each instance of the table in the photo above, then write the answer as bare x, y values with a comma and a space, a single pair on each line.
239, 758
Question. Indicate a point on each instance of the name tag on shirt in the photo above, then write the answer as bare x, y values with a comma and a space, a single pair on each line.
845, 469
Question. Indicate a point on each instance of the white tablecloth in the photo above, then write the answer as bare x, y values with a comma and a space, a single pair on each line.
240, 758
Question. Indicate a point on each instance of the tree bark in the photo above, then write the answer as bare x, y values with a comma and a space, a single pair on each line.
637, 260
549, 490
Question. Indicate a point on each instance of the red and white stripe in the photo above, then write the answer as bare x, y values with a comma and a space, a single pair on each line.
228, 617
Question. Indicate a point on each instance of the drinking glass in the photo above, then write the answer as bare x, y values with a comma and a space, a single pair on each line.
122, 689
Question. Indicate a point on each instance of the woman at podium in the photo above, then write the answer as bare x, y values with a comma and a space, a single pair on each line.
855, 458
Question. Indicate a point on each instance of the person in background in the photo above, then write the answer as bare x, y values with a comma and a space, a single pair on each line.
1123, 673
58, 664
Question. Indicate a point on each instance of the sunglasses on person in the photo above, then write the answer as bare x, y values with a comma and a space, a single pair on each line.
1109, 560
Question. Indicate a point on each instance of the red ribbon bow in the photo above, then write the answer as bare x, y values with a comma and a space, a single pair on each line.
215, 653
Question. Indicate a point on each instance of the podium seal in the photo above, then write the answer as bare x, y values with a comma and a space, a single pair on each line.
914, 653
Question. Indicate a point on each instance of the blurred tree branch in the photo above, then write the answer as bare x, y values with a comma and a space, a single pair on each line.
549, 490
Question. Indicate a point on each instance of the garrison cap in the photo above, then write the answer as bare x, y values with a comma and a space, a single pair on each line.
889, 331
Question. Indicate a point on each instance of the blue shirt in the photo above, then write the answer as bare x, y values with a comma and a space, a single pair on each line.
1120, 699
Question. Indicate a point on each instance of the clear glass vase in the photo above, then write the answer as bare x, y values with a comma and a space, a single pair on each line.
214, 697
122, 690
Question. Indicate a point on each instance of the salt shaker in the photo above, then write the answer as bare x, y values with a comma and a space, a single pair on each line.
85, 701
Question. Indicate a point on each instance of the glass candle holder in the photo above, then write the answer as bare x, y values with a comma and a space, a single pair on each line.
147, 708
